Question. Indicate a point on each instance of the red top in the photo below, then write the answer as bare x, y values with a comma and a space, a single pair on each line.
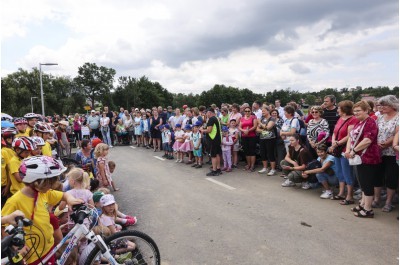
339, 135
248, 123
372, 155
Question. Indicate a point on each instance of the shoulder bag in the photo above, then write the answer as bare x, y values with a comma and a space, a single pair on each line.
356, 160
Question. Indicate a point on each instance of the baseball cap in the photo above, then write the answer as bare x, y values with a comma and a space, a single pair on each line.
169, 107
161, 127
178, 125
97, 196
106, 200
188, 127
136, 109
198, 123
166, 126
93, 111
225, 128
95, 142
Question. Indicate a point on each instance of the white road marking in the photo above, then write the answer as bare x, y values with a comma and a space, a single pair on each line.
162, 159
132, 147
221, 184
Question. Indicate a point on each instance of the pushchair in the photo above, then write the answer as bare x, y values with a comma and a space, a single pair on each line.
123, 138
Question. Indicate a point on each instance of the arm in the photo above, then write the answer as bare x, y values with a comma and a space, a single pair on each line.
71, 200
396, 140
388, 142
158, 125
102, 171
10, 219
254, 125
319, 170
17, 177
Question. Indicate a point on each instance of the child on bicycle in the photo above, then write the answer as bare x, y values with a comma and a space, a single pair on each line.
39, 173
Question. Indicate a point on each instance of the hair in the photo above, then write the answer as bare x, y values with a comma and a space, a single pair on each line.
195, 111
40, 184
331, 97
76, 115
390, 101
94, 184
73, 255
202, 108
236, 106
363, 105
101, 230
266, 108
104, 190
258, 103
111, 164
293, 104
318, 108
80, 176
322, 147
296, 136
58, 186
289, 110
85, 143
100, 148
232, 120
346, 106
225, 109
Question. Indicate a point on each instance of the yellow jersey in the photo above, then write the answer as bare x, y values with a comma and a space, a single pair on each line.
40, 235
14, 168
6, 155
26, 133
46, 150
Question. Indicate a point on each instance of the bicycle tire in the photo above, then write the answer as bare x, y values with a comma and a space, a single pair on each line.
150, 255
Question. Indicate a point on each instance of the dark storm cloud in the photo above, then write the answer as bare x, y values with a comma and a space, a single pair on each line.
257, 24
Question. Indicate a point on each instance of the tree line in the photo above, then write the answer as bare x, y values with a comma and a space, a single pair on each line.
94, 86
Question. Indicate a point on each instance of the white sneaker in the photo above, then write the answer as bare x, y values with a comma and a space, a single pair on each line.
288, 183
306, 186
111, 146
262, 171
326, 195
271, 172
177, 161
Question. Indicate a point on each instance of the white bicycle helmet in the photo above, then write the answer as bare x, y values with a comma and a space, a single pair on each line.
31, 116
38, 140
41, 127
40, 167
25, 143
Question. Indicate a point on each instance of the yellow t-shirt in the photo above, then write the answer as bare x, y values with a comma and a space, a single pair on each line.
26, 133
41, 231
14, 168
6, 155
28, 130
46, 149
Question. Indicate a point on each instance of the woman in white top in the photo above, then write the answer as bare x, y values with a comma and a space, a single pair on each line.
105, 128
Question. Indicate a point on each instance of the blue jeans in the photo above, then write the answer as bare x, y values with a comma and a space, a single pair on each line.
106, 135
332, 180
343, 170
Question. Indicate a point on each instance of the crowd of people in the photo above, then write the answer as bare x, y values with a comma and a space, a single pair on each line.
351, 146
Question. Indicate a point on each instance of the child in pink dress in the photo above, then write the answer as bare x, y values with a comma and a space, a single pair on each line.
187, 147
178, 142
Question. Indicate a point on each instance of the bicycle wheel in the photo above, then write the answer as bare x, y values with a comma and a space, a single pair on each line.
144, 252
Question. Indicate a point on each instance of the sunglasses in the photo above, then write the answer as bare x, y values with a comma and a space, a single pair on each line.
247, 111
315, 112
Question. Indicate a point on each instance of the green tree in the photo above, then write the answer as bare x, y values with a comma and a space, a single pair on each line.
94, 81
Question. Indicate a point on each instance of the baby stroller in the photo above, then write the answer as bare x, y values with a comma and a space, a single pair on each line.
123, 138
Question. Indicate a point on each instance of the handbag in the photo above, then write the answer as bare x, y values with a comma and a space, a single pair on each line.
337, 151
356, 160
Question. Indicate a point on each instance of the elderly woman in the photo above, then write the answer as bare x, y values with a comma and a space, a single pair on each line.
363, 141
340, 136
247, 127
267, 134
317, 129
388, 125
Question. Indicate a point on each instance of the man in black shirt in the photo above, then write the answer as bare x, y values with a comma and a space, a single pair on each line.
330, 112
213, 131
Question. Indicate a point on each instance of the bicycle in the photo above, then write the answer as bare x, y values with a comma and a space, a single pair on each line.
145, 252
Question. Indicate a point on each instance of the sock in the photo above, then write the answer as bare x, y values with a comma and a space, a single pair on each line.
123, 221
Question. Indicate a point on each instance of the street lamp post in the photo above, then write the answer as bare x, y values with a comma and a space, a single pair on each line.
32, 102
41, 83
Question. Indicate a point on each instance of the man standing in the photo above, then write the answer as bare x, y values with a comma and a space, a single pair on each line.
121, 113
94, 124
170, 112
256, 109
280, 109
330, 112
213, 132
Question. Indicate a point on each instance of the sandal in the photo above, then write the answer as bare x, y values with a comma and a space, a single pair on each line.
346, 202
246, 167
338, 197
375, 204
387, 208
357, 209
365, 214
252, 169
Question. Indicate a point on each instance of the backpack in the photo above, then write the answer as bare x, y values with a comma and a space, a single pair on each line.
303, 130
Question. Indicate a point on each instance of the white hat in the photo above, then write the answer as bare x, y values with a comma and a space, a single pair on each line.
64, 123
93, 110
106, 200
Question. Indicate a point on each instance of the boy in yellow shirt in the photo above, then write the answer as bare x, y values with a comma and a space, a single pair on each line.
7, 137
23, 147
39, 173
32, 118
42, 130
21, 124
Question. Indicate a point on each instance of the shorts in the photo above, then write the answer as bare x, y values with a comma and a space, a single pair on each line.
198, 152
167, 147
215, 148
388, 176
249, 145
78, 135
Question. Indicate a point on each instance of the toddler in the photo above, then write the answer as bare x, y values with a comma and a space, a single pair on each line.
234, 132
197, 146
103, 173
111, 166
167, 140
226, 147
178, 142
186, 147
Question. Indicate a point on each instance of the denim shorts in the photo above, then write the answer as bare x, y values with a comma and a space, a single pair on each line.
167, 147
332, 180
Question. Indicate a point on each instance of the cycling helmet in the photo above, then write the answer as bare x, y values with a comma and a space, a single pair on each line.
41, 127
20, 121
31, 116
25, 143
40, 167
8, 132
38, 140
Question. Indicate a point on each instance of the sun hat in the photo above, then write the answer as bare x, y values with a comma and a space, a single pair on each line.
106, 200
64, 123
58, 212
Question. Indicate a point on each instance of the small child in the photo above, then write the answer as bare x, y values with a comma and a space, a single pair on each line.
101, 230
39, 145
146, 133
227, 143
167, 140
103, 173
234, 132
178, 142
111, 166
186, 147
197, 146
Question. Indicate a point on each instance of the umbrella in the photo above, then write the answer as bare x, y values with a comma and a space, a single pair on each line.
5, 116
7, 124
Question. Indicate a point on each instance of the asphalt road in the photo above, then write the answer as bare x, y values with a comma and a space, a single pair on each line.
244, 218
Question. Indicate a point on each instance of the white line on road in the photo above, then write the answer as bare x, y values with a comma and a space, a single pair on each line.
132, 147
221, 184
162, 159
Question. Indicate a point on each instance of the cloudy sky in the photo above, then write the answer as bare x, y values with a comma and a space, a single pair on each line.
188, 46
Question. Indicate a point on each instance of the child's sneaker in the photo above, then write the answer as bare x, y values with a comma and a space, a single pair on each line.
123, 257
164, 156
194, 165
229, 170
199, 166
131, 221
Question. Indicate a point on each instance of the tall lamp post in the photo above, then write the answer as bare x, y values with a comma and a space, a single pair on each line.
32, 102
41, 83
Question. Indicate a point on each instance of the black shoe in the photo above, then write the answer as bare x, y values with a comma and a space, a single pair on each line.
208, 162
219, 171
234, 166
212, 174
194, 165
198, 166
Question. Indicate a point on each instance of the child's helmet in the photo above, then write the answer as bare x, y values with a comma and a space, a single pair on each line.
40, 167
25, 143
41, 127
8, 132
31, 115
20, 121
38, 140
